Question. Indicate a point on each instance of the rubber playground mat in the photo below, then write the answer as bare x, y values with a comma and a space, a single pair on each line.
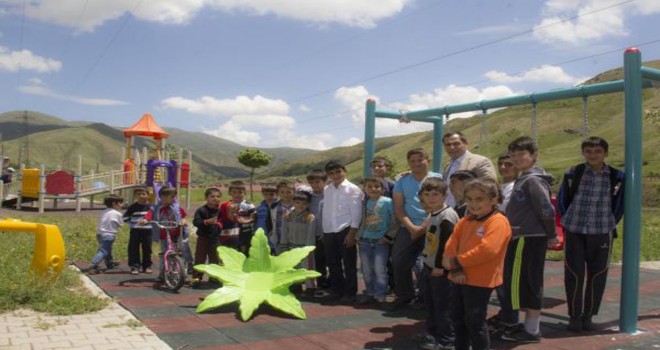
173, 318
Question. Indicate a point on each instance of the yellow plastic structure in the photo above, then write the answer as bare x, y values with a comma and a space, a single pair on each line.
31, 183
48, 245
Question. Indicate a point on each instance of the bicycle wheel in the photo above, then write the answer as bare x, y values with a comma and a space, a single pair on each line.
175, 274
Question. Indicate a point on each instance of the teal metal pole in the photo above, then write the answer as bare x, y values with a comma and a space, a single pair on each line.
651, 73
632, 63
438, 131
369, 135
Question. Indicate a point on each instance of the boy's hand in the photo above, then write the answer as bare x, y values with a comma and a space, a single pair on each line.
142, 222
211, 221
446, 262
436, 272
458, 277
183, 222
553, 242
350, 240
383, 241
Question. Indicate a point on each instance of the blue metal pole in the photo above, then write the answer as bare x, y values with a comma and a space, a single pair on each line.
651, 73
632, 231
438, 131
369, 135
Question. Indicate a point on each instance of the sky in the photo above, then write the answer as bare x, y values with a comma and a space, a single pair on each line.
297, 73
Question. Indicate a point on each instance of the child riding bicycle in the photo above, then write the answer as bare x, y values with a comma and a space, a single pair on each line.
168, 210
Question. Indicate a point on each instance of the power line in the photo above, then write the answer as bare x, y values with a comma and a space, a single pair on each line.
462, 51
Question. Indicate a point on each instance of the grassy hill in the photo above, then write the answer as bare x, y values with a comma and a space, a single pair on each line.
557, 123
57, 143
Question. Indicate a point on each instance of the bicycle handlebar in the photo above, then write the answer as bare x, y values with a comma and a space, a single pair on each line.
167, 225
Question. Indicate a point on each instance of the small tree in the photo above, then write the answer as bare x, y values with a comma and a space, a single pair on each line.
253, 158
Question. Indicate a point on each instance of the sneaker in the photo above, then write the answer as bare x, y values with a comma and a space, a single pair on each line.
94, 270
148, 270
398, 304
422, 337
347, 300
520, 335
112, 264
575, 324
134, 271
366, 300
496, 325
434, 345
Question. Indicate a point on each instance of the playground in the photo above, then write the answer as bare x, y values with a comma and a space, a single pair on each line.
149, 168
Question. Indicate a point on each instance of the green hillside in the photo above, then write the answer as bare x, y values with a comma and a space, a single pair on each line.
54, 142
558, 122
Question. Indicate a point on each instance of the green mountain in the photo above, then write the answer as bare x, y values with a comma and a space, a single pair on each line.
55, 143
559, 126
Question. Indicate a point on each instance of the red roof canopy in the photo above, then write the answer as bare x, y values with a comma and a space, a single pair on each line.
146, 126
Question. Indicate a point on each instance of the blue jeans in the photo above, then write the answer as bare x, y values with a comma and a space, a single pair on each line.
373, 257
105, 249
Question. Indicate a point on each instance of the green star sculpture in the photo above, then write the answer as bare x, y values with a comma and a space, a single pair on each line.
257, 279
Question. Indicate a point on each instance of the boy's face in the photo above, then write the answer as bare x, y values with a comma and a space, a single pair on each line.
236, 193
373, 189
300, 205
165, 200
507, 170
418, 164
141, 197
595, 156
269, 196
433, 200
337, 176
478, 202
523, 160
117, 205
379, 169
285, 194
213, 199
317, 185
456, 186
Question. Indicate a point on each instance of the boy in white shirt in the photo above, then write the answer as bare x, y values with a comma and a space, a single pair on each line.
106, 233
341, 215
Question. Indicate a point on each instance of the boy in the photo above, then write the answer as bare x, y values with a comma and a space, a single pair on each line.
457, 181
208, 232
298, 231
168, 210
140, 235
317, 181
506, 317
106, 233
278, 211
591, 204
236, 217
342, 213
436, 287
263, 220
532, 218
380, 168
378, 220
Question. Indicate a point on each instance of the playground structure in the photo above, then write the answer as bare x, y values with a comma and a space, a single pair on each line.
49, 254
37, 185
636, 77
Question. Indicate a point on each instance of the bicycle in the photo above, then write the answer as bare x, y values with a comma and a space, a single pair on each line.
174, 270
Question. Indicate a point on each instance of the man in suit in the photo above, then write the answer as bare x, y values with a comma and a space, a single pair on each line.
456, 146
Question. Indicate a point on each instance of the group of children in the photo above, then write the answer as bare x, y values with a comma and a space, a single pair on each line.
494, 238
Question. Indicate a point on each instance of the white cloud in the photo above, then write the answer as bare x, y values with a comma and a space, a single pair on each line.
37, 87
234, 132
264, 121
304, 108
545, 73
86, 17
288, 138
495, 29
12, 61
591, 25
351, 141
240, 105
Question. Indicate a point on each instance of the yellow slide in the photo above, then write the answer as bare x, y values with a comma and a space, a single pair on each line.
48, 245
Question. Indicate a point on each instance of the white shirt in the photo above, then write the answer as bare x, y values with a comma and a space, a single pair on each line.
110, 222
342, 206
453, 167
507, 188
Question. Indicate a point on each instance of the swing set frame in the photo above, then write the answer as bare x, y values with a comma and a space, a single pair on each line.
636, 78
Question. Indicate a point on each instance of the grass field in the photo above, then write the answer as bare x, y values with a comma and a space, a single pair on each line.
63, 296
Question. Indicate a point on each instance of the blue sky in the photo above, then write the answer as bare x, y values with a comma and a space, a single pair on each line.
297, 72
